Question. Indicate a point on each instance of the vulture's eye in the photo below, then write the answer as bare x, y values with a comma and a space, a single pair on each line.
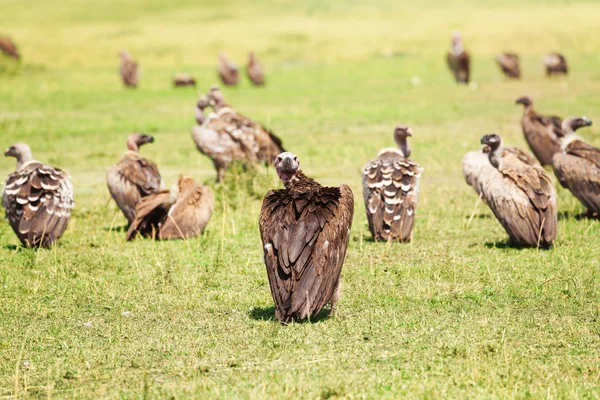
295, 158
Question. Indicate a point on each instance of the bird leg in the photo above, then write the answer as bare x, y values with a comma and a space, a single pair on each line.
335, 297
587, 214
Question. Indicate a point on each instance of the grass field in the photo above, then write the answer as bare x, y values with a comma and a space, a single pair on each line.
456, 313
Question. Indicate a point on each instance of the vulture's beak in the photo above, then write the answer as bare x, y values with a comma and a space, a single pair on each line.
587, 121
7, 152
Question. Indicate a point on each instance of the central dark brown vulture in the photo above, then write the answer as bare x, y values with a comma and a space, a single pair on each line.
254, 70
555, 64
305, 229
228, 72
390, 190
134, 177
577, 166
184, 80
38, 199
521, 197
541, 132
509, 64
129, 70
458, 60
9, 48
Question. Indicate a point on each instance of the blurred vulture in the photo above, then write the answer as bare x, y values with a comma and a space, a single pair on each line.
555, 64
180, 213
458, 60
521, 196
255, 70
184, 80
129, 70
38, 199
509, 63
390, 189
577, 166
9, 48
134, 177
228, 72
540, 131
305, 230
226, 135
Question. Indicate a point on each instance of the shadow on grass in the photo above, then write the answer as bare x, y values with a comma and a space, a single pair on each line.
122, 228
507, 244
268, 314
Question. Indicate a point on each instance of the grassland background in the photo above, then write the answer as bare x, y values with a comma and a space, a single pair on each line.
456, 313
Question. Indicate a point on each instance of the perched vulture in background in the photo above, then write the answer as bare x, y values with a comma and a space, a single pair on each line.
254, 70
9, 48
458, 60
184, 80
134, 177
228, 72
129, 70
38, 199
577, 166
390, 189
509, 63
521, 197
555, 64
180, 213
541, 132
305, 229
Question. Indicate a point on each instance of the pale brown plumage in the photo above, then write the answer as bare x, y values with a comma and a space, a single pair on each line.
458, 60
509, 64
555, 64
9, 48
180, 213
228, 72
134, 177
540, 131
184, 80
305, 229
129, 70
521, 196
38, 199
390, 190
254, 70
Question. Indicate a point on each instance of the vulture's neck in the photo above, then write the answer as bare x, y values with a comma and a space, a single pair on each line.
529, 110
404, 147
495, 156
300, 182
567, 139
23, 158
132, 146
457, 49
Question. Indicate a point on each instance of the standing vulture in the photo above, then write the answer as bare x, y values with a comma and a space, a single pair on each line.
184, 80
134, 177
305, 230
9, 48
541, 132
228, 72
577, 166
390, 189
254, 70
458, 60
129, 70
555, 64
509, 64
521, 197
38, 199
180, 213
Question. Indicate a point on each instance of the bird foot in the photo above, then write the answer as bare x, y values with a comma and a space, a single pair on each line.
587, 215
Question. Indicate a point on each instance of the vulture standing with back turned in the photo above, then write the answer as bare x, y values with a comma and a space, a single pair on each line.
390, 189
555, 64
509, 64
458, 60
38, 199
9, 48
254, 70
305, 229
228, 72
129, 70
541, 132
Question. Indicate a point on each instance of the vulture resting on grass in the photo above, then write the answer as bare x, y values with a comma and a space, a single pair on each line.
9, 48
38, 199
509, 64
577, 166
305, 230
129, 70
228, 72
390, 189
521, 196
180, 213
541, 132
458, 60
184, 80
134, 177
254, 70
555, 64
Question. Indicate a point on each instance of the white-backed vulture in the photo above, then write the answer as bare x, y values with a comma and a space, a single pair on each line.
458, 60
180, 213
305, 229
184, 80
577, 166
254, 70
521, 197
129, 70
540, 131
9, 48
134, 177
555, 64
38, 199
509, 64
228, 72
390, 190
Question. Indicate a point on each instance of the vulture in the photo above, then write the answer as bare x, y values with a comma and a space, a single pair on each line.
458, 60
9, 48
129, 70
555, 64
134, 177
226, 135
180, 213
38, 199
255, 70
541, 131
509, 64
184, 80
305, 229
577, 166
390, 189
228, 72
520, 195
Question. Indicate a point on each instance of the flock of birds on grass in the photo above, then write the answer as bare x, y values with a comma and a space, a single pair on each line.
305, 227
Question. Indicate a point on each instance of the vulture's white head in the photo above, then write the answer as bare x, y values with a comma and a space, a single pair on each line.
21, 152
287, 165
215, 98
525, 101
492, 140
401, 133
457, 45
124, 55
571, 124
135, 140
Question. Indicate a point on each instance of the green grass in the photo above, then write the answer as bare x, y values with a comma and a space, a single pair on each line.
456, 313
